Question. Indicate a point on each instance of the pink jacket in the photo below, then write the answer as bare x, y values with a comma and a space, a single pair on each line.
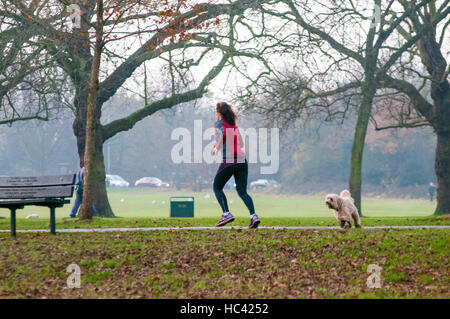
228, 137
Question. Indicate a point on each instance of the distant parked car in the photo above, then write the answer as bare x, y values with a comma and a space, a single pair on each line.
150, 182
273, 183
116, 181
259, 183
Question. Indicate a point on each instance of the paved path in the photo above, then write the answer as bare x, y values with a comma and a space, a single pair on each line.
87, 230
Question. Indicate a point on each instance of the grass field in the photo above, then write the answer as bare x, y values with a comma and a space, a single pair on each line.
232, 263
149, 208
228, 264
152, 203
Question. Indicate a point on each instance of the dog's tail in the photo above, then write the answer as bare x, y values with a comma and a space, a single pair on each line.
346, 193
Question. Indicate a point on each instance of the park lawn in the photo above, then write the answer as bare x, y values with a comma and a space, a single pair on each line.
130, 222
228, 264
152, 203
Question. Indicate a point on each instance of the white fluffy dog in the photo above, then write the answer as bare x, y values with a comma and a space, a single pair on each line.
343, 208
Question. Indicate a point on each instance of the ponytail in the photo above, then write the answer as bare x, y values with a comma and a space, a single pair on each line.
227, 113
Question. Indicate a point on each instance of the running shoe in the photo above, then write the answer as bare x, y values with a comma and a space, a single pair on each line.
225, 220
254, 222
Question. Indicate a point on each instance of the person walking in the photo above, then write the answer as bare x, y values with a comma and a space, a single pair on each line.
234, 163
431, 190
79, 194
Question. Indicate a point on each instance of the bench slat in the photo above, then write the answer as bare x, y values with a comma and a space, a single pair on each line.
47, 202
33, 201
37, 181
36, 192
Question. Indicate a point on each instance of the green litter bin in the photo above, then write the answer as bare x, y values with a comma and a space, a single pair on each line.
181, 206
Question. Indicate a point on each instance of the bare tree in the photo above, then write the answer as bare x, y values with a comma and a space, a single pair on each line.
429, 96
137, 37
31, 86
353, 51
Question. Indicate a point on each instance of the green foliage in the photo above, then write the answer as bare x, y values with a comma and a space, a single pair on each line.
97, 276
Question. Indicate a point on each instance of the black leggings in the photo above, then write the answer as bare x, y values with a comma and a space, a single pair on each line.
240, 173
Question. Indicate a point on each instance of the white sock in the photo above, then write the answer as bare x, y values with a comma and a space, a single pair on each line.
226, 213
252, 215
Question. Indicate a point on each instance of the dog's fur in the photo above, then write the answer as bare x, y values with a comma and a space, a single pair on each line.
343, 208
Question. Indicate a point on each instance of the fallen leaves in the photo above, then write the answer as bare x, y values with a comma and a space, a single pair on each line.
224, 264
279, 284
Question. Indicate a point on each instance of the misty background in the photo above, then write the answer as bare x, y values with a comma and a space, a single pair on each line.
313, 158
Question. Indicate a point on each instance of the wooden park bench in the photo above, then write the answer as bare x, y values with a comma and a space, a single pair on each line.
48, 191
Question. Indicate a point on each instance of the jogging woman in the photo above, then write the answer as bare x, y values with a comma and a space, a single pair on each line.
234, 163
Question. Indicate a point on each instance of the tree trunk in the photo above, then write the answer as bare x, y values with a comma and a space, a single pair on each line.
79, 124
99, 192
433, 58
440, 93
443, 174
92, 163
79, 128
89, 151
362, 123
368, 90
